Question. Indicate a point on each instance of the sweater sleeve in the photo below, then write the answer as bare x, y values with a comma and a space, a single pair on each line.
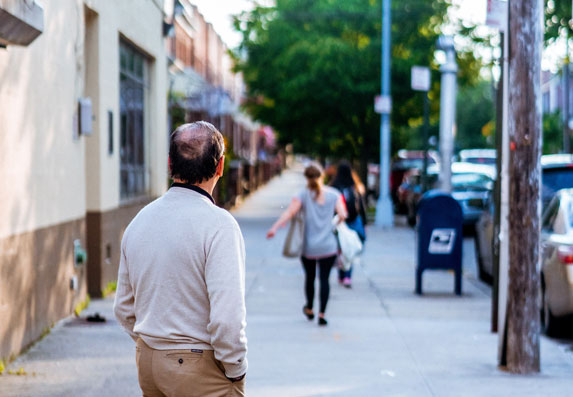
123, 306
225, 280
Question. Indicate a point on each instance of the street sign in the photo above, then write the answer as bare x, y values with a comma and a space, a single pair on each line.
421, 78
497, 14
383, 104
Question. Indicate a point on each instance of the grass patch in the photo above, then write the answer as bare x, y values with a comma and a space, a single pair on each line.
81, 306
110, 288
19, 372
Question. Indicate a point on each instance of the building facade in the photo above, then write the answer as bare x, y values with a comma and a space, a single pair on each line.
203, 86
89, 92
83, 134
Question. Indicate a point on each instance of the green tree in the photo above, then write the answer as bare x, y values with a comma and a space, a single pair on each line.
312, 69
475, 116
557, 19
552, 133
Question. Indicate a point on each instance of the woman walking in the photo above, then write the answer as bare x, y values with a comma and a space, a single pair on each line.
348, 183
319, 204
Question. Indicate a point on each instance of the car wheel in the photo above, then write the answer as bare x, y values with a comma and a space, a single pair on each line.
548, 321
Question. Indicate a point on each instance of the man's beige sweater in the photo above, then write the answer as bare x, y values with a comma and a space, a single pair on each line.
181, 282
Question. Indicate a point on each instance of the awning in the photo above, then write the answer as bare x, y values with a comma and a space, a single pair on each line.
20, 22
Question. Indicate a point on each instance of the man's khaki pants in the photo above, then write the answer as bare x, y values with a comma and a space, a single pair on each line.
185, 373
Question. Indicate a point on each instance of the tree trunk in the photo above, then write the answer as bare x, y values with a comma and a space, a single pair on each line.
525, 44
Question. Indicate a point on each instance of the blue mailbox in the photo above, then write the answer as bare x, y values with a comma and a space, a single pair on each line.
439, 236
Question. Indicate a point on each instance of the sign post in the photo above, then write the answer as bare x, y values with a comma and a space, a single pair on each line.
447, 110
421, 81
384, 210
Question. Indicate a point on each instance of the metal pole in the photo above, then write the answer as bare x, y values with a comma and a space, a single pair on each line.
447, 111
495, 244
566, 99
503, 261
425, 135
384, 212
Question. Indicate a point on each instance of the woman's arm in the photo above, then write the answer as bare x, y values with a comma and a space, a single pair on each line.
341, 208
293, 208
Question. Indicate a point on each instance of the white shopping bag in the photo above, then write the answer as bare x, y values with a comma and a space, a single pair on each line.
348, 241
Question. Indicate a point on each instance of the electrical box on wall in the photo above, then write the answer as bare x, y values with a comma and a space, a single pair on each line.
85, 116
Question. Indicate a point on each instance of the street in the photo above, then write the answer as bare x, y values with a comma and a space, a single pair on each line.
381, 339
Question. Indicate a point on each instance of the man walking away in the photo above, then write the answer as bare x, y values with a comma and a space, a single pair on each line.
181, 283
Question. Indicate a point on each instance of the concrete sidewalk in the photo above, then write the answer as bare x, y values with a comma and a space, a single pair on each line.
382, 339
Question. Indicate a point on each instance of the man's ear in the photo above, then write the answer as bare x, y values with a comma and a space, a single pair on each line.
169, 163
220, 167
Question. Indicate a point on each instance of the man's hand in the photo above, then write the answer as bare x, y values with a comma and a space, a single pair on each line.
237, 379
271, 233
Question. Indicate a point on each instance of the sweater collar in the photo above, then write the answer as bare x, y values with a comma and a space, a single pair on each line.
195, 189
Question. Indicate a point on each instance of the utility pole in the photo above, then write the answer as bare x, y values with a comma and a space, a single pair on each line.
384, 211
522, 316
447, 110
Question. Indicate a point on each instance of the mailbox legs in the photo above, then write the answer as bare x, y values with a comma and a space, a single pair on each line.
457, 281
419, 271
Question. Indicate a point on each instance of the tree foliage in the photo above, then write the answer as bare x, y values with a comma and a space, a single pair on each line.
312, 68
557, 19
552, 132
475, 116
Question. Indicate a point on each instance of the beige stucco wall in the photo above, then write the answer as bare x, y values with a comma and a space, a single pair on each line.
42, 179
47, 176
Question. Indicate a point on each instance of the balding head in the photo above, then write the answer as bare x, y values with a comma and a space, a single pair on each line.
195, 151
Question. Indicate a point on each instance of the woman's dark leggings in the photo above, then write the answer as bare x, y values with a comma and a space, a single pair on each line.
324, 266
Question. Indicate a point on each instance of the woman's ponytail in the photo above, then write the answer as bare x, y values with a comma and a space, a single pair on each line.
313, 173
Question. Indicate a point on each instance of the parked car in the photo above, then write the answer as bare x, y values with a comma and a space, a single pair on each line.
557, 261
410, 192
471, 184
478, 156
556, 174
404, 162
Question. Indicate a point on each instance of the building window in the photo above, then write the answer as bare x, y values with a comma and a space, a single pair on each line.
132, 87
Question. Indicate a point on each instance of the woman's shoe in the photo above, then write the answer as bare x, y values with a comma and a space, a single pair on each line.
322, 321
308, 313
347, 282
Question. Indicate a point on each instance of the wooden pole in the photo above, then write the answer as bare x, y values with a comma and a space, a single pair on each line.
525, 45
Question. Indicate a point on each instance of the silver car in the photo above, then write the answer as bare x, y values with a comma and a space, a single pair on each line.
557, 260
557, 173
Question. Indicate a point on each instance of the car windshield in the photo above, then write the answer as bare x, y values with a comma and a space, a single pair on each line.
471, 181
481, 160
555, 179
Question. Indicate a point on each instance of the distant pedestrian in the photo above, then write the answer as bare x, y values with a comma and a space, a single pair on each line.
181, 284
320, 248
353, 191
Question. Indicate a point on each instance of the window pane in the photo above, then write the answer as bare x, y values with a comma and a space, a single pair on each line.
132, 134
